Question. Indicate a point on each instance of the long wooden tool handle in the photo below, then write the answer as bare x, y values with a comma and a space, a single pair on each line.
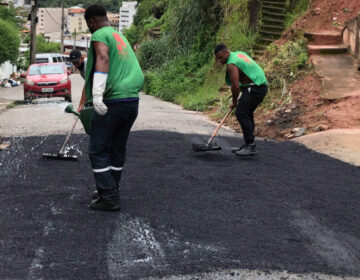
220, 125
68, 137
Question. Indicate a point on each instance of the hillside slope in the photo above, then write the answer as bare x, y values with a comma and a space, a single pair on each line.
305, 108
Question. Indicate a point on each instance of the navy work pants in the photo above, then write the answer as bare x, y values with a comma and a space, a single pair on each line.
250, 98
108, 137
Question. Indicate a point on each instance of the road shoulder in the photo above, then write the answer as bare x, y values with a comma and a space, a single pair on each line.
342, 144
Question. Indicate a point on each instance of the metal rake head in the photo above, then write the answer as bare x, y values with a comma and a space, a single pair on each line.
206, 147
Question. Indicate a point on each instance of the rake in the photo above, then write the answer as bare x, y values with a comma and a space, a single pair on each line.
61, 155
210, 145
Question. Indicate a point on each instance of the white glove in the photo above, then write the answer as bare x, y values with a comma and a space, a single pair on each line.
99, 85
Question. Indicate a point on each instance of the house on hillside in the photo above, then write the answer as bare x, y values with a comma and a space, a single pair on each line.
76, 22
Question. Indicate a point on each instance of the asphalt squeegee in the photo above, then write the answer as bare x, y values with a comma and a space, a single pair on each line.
85, 118
210, 145
61, 155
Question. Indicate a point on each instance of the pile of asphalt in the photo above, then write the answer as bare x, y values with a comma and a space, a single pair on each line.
182, 212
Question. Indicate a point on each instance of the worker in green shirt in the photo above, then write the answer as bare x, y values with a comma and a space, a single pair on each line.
244, 75
113, 80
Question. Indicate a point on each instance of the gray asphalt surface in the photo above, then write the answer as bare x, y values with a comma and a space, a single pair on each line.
289, 213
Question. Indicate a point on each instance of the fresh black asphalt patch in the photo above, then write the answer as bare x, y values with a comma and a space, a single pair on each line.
288, 208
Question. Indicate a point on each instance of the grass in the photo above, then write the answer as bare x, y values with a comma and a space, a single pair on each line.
208, 94
15, 103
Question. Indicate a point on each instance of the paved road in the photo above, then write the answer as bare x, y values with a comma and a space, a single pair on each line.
288, 213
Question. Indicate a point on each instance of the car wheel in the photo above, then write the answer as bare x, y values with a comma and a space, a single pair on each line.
27, 100
68, 98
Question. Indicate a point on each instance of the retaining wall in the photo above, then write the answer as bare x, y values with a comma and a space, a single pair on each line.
351, 35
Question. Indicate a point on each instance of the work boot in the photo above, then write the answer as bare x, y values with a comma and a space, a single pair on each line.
95, 195
106, 205
236, 149
247, 150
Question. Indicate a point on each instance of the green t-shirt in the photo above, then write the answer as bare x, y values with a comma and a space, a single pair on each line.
125, 78
248, 66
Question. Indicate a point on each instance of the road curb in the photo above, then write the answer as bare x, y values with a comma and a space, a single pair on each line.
4, 105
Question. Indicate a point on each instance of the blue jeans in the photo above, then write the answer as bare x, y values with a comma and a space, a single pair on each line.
250, 98
108, 137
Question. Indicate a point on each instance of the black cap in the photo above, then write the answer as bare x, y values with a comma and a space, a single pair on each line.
75, 56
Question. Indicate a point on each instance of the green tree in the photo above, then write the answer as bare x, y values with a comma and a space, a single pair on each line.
42, 46
9, 42
9, 13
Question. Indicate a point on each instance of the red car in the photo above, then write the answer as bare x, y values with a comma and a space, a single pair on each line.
47, 80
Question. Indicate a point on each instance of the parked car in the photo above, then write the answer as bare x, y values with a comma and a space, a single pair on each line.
47, 80
55, 57
50, 57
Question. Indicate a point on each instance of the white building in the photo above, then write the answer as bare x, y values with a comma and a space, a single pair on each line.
76, 22
6, 69
126, 14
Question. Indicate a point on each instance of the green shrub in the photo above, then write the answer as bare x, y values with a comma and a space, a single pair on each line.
235, 31
9, 42
285, 62
132, 35
283, 65
42, 46
152, 54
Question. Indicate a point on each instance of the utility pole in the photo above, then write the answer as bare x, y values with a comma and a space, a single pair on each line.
87, 44
62, 26
33, 16
74, 39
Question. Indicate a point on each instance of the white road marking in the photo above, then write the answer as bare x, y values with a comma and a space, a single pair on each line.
36, 264
133, 247
244, 274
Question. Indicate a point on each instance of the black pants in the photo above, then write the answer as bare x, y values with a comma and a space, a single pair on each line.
108, 137
251, 97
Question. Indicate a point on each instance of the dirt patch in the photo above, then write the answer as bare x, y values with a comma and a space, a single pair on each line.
307, 109
324, 15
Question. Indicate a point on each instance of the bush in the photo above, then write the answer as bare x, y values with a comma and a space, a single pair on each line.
132, 35
152, 54
9, 13
9, 42
284, 64
42, 46
235, 31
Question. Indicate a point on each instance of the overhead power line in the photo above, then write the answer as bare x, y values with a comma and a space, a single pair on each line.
54, 20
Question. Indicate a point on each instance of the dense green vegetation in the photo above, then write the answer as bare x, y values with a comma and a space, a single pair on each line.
43, 46
9, 36
179, 64
9, 42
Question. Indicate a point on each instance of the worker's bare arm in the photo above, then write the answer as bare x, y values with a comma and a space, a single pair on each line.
233, 72
102, 57
82, 100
